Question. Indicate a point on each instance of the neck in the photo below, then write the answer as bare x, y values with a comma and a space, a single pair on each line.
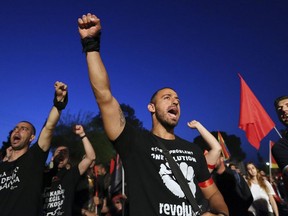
163, 132
15, 154
254, 179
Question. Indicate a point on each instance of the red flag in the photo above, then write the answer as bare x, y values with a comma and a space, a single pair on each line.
112, 165
253, 118
273, 164
116, 176
225, 151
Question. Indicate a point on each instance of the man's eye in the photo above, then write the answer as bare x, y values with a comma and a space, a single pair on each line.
24, 128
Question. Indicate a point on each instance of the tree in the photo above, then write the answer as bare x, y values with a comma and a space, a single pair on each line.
5, 145
129, 114
232, 142
94, 130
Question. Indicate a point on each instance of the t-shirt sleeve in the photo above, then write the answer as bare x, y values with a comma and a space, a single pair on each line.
75, 175
124, 143
37, 154
204, 174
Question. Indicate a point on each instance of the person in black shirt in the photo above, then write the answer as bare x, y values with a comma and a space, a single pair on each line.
234, 189
61, 180
152, 189
21, 173
280, 148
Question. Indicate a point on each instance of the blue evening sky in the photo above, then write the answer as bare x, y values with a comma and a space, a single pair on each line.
196, 47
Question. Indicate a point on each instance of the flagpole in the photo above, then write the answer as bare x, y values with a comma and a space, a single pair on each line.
270, 160
277, 132
123, 192
123, 181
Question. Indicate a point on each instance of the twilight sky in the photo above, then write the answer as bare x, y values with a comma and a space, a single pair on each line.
196, 47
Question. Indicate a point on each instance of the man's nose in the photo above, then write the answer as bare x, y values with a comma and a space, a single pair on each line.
175, 101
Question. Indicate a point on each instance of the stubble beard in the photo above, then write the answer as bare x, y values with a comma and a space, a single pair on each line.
166, 123
19, 147
284, 120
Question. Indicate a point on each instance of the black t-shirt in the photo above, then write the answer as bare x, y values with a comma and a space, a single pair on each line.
152, 188
235, 191
58, 194
21, 183
280, 152
84, 194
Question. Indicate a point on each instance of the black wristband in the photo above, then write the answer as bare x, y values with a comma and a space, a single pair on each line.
82, 137
90, 44
60, 105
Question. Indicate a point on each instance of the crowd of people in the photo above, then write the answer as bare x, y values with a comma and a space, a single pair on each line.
154, 185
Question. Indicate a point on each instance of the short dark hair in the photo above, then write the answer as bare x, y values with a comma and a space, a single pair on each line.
155, 93
33, 128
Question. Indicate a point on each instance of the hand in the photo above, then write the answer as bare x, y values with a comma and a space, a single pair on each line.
193, 124
89, 25
60, 90
9, 151
104, 209
96, 200
88, 213
79, 130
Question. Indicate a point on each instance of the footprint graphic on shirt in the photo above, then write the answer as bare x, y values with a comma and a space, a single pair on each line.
170, 181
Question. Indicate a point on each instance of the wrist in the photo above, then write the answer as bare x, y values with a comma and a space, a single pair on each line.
60, 105
82, 136
211, 166
90, 44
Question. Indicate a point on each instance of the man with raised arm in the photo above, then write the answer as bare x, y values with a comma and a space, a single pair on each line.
60, 181
152, 188
21, 173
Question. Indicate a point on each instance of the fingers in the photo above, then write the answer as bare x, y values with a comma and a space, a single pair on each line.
88, 20
60, 85
192, 123
78, 129
60, 88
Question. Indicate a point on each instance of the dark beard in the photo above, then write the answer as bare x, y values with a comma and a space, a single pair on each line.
282, 117
18, 147
168, 125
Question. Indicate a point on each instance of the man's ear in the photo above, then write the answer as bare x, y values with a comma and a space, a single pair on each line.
32, 137
151, 107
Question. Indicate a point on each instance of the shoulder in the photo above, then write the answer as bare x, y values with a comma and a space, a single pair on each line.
267, 183
191, 145
35, 147
280, 144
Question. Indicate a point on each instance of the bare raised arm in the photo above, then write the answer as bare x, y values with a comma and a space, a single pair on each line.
216, 201
113, 119
45, 137
213, 155
90, 155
